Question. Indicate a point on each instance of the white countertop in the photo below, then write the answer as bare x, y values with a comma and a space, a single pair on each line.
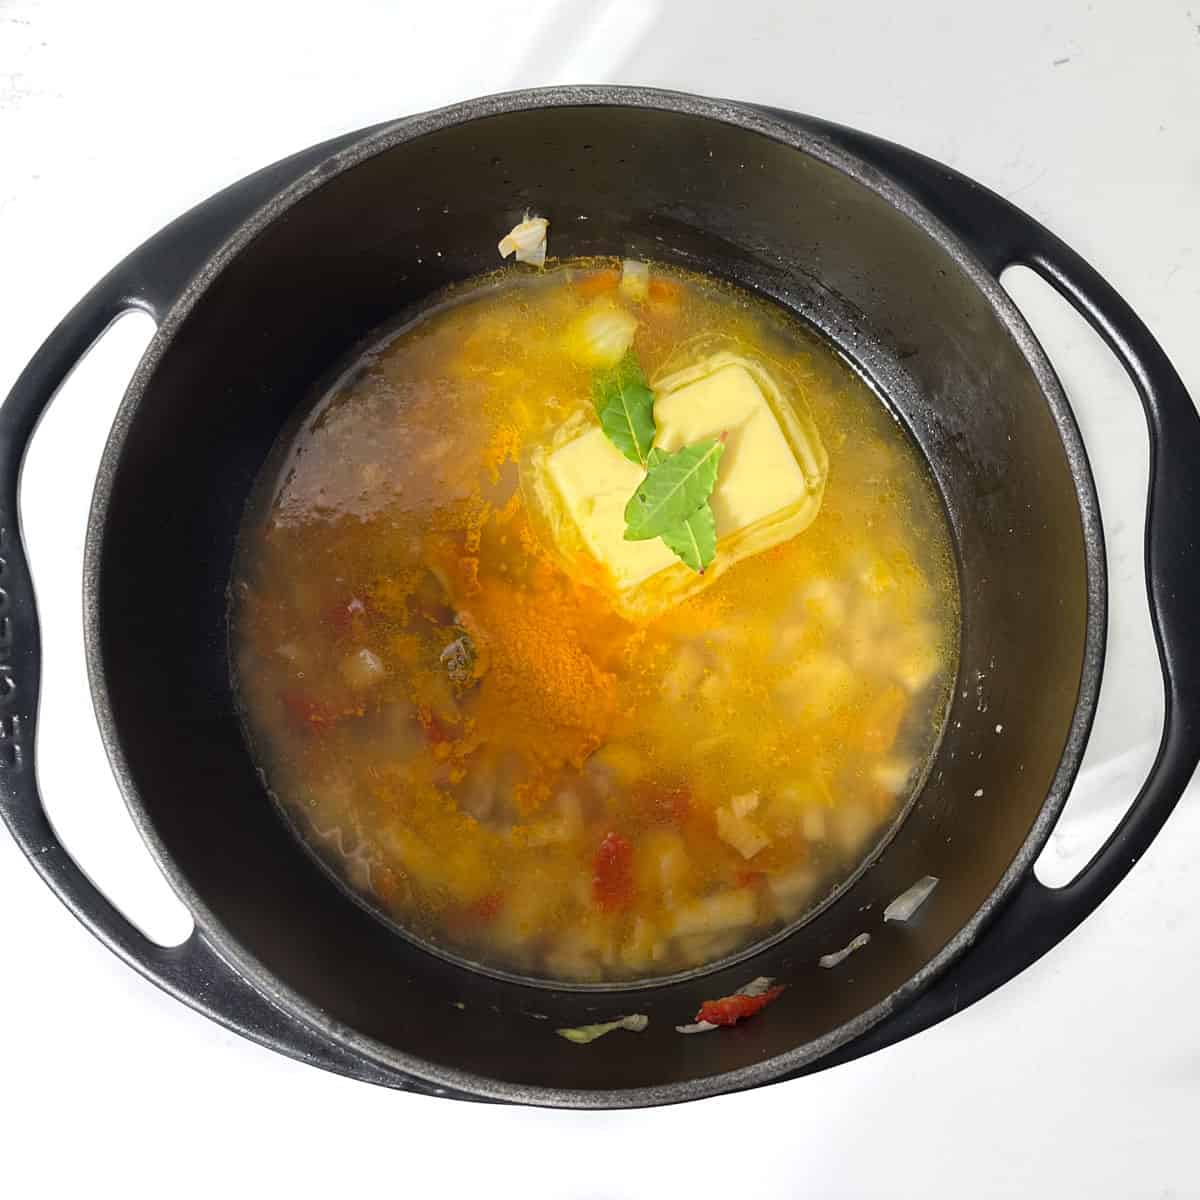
1079, 1078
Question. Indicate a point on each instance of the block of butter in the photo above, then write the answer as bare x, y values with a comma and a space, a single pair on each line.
769, 485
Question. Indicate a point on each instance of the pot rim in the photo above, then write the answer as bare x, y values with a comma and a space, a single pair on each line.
380, 140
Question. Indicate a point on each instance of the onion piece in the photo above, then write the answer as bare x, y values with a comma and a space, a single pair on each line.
527, 240
583, 1034
635, 280
697, 1027
832, 960
602, 334
756, 987
907, 903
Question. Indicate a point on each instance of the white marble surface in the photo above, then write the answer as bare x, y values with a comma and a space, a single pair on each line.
1082, 1077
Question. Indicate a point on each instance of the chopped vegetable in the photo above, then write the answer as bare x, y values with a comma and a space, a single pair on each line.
625, 406
486, 907
758, 986
838, 956
527, 240
595, 283
729, 1010
744, 804
602, 335
459, 660
731, 909
743, 834
307, 714
698, 1027
635, 280
907, 903
583, 1034
612, 874
362, 669
675, 486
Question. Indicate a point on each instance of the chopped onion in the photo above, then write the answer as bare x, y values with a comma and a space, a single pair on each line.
743, 834
583, 1034
698, 1027
907, 903
832, 960
527, 240
362, 669
635, 280
601, 335
744, 805
756, 987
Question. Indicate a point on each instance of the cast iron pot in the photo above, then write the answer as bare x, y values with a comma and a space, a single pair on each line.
895, 258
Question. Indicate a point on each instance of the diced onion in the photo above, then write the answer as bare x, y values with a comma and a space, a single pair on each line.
756, 987
635, 280
832, 960
744, 805
362, 669
602, 335
697, 1027
527, 240
583, 1034
907, 903
743, 834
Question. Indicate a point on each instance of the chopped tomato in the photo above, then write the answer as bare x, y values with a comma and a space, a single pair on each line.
486, 907
307, 714
668, 805
729, 1010
612, 874
664, 296
436, 731
598, 281
341, 616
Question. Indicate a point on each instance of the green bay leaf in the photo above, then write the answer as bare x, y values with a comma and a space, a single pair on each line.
676, 485
695, 539
625, 405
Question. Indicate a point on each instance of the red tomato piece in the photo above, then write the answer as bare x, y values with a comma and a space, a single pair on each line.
341, 616
598, 282
729, 1010
668, 805
308, 714
486, 907
436, 731
612, 874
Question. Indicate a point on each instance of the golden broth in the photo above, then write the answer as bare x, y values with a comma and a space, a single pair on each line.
480, 742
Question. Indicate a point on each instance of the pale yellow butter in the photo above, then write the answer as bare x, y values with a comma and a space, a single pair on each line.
595, 481
759, 474
769, 484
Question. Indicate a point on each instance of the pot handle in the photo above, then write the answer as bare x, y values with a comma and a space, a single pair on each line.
151, 279
1038, 917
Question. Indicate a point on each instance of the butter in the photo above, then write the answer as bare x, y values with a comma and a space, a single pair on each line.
759, 473
594, 481
769, 486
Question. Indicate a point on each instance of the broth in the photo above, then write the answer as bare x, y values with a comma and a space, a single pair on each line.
537, 749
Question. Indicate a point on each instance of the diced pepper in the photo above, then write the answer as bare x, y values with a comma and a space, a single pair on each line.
729, 1010
307, 714
486, 907
612, 874
668, 805
597, 282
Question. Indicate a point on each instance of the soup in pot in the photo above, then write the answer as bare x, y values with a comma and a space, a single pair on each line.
596, 623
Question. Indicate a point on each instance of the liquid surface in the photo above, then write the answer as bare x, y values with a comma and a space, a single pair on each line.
465, 718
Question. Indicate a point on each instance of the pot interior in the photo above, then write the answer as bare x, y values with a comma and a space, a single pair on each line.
425, 212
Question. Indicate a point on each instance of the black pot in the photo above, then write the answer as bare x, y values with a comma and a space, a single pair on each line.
260, 289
